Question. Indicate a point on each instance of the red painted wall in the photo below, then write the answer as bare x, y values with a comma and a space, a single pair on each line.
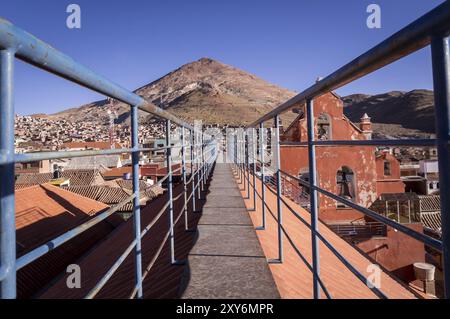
369, 184
397, 252
388, 183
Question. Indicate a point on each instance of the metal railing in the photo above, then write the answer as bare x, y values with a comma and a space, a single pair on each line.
431, 29
16, 43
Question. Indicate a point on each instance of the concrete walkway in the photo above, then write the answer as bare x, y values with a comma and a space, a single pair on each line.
227, 260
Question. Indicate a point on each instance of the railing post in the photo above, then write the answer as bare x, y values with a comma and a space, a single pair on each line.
136, 200
236, 153
183, 164
247, 161
170, 191
313, 197
7, 207
254, 145
202, 163
441, 82
277, 159
205, 165
197, 162
192, 170
263, 188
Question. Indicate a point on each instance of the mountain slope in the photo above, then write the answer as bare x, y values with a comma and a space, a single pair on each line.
205, 89
412, 110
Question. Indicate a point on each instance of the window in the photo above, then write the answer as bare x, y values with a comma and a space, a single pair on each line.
304, 176
431, 186
345, 184
387, 168
323, 127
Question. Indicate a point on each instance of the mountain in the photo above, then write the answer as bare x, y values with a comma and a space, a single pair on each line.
412, 110
205, 89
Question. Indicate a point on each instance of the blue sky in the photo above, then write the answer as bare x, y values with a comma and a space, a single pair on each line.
289, 43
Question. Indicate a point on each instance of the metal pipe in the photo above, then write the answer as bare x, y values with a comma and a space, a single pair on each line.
263, 188
197, 162
183, 164
247, 161
254, 146
441, 82
192, 170
413, 37
7, 207
170, 190
136, 203
397, 142
276, 157
96, 289
313, 198
61, 239
202, 156
205, 164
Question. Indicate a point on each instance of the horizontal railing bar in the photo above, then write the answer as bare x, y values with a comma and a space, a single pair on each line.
294, 246
158, 252
427, 240
39, 156
334, 251
58, 241
96, 289
327, 243
413, 37
396, 142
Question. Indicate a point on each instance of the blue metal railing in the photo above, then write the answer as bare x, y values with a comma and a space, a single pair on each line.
431, 29
16, 43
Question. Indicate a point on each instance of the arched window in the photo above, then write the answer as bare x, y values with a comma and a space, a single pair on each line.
387, 168
323, 127
345, 180
303, 175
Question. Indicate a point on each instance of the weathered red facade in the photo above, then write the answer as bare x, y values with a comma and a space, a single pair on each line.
360, 168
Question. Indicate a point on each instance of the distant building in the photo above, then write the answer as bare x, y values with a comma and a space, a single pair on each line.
79, 146
426, 180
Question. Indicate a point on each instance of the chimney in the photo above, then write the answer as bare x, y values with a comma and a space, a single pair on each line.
366, 126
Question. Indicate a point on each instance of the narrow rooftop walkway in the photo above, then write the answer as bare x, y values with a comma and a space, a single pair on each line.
227, 260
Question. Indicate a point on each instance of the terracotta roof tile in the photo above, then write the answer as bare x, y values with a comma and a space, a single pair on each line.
164, 279
44, 212
77, 177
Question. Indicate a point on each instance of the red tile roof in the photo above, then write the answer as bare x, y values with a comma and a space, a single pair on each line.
76, 176
164, 279
44, 212
118, 171
38, 206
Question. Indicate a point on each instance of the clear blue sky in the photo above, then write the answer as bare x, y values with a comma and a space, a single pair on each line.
289, 43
